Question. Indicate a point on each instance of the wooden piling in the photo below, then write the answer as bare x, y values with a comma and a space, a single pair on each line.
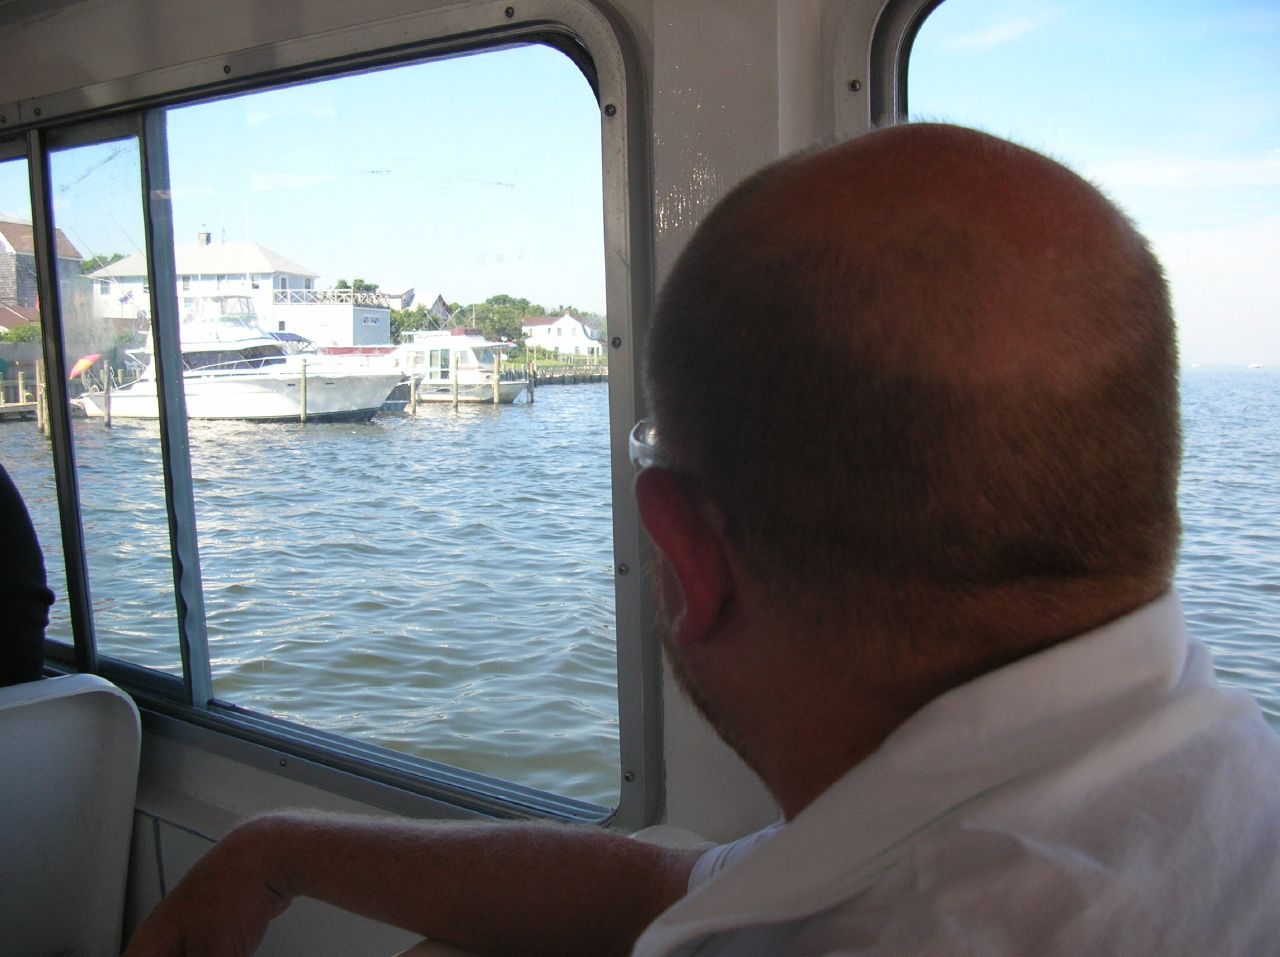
106, 394
42, 417
302, 396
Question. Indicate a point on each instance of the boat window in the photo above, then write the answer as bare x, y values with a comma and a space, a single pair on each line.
97, 210
436, 581
25, 450
1201, 178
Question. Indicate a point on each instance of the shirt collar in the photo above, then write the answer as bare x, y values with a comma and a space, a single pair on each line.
958, 747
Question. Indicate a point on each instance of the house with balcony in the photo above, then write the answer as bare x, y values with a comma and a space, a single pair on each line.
284, 293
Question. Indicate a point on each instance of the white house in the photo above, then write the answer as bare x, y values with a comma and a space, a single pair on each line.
283, 292
563, 334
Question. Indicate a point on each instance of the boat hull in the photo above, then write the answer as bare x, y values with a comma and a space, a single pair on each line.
508, 391
262, 396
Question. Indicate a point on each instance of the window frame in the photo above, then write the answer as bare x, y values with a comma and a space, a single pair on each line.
185, 709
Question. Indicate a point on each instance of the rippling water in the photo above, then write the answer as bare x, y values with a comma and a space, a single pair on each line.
1229, 574
443, 585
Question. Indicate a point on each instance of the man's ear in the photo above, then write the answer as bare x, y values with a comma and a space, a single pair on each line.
683, 531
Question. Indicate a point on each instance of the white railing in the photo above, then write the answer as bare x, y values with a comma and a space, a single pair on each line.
349, 297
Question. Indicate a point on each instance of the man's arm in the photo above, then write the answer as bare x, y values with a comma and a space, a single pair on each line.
490, 888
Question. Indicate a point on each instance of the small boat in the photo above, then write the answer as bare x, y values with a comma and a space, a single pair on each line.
458, 365
234, 369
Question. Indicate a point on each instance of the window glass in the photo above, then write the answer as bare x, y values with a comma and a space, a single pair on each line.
431, 572
25, 450
1171, 109
97, 209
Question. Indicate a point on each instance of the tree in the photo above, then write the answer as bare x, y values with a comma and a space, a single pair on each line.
498, 317
407, 320
94, 263
27, 333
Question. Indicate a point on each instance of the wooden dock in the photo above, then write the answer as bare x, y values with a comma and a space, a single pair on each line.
17, 410
570, 376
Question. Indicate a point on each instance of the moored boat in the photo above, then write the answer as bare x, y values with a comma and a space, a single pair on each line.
233, 369
458, 365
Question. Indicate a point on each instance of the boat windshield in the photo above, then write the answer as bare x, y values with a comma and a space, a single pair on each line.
253, 357
223, 310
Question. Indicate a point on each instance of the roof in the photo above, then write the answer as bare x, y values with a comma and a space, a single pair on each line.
204, 259
11, 317
19, 234
547, 320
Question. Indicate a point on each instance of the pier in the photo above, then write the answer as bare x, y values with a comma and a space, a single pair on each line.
19, 397
570, 375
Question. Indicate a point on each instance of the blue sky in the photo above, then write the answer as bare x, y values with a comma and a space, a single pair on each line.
465, 177
480, 175
1172, 108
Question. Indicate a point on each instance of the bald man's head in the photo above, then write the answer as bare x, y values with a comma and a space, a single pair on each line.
927, 360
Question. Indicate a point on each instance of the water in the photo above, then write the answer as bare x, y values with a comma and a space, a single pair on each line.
440, 585
1229, 572
444, 585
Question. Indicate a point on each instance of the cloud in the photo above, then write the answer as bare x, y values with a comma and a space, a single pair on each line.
981, 39
1227, 305
258, 117
261, 182
1167, 171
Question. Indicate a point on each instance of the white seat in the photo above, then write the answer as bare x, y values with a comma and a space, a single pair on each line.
68, 775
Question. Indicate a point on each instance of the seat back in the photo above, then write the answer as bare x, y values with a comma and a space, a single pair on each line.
68, 775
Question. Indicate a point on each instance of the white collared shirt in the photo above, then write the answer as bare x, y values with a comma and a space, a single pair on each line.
1105, 796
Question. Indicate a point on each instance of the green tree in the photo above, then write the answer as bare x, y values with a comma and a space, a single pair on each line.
498, 317
407, 320
28, 333
94, 263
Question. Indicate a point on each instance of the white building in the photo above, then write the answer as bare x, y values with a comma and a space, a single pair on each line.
563, 334
283, 292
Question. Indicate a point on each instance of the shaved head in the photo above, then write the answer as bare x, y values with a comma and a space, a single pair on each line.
927, 364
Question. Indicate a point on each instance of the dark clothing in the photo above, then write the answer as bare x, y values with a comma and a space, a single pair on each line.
24, 595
